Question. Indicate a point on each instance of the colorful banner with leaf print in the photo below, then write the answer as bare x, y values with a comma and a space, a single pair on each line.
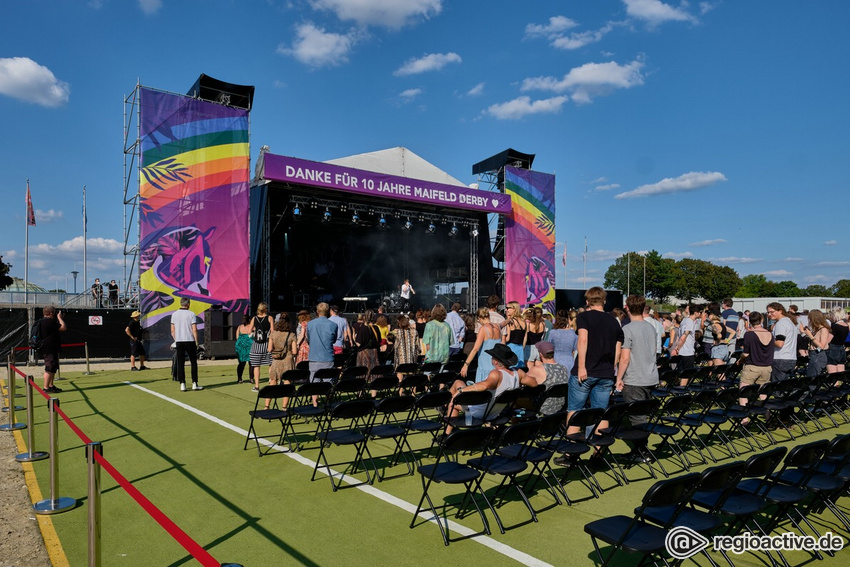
530, 239
193, 205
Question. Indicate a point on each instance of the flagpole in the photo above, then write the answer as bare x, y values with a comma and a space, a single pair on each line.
584, 275
27, 247
85, 228
565, 265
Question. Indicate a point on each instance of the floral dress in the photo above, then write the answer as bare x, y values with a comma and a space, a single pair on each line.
303, 345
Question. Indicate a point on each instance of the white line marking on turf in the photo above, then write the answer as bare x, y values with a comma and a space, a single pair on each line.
484, 540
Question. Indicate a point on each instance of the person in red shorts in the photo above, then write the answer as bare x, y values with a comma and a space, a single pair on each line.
51, 325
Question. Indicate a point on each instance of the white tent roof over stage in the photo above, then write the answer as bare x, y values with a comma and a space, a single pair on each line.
400, 162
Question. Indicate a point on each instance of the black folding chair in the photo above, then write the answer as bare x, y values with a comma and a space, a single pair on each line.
636, 534
295, 376
326, 375
302, 406
343, 426
452, 472
273, 413
519, 436
433, 424
538, 456
573, 446
354, 372
389, 422
464, 400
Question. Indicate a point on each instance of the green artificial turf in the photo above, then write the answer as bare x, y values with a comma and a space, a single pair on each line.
259, 511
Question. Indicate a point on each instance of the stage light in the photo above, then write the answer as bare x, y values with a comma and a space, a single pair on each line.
327, 216
474, 232
382, 222
432, 228
296, 212
453, 231
355, 218
407, 225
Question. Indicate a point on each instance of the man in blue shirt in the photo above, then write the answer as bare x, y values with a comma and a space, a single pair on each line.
321, 335
731, 319
455, 321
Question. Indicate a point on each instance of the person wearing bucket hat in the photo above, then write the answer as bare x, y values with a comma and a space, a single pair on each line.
499, 380
137, 349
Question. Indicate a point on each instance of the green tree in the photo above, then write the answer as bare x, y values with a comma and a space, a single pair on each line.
722, 282
691, 278
841, 288
755, 285
816, 290
659, 276
627, 274
786, 288
5, 279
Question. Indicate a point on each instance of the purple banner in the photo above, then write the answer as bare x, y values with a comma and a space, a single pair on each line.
530, 239
362, 182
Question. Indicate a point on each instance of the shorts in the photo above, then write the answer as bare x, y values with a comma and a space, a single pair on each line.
782, 369
836, 355
137, 348
598, 390
51, 362
318, 366
720, 352
752, 374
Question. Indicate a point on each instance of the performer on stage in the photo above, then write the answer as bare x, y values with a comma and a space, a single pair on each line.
406, 290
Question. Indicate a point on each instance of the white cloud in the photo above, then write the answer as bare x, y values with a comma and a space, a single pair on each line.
603, 255
656, 12
410, 94
315, 47
556, 25
607, 187
523, 106
789, 259
706, 7
477, 90
677, 255
577, 40
150, 7
74, 247
24, 79
734, 260
430, 62
830, 243
599, 180
687, 182
48, 216
779, 273
837, 263
708, 242
387, 13
590, 80
816, 278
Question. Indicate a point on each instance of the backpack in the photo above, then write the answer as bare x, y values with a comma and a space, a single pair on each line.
261, 330
36, 337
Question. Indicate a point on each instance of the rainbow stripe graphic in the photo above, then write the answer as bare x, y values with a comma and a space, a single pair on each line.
530, 239
193, 188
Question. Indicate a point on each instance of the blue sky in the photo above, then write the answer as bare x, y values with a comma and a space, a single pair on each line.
715, 130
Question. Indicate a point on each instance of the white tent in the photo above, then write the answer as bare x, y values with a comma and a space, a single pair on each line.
398, 161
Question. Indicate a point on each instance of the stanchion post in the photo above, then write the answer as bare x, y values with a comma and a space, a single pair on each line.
55, 503
88, 371
10, 387
94, 502
30, 455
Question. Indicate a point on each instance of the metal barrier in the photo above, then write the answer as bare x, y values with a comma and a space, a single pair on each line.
30, 455
10, 390
95, 461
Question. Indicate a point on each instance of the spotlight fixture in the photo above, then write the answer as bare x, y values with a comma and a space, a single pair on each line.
407, 225
474, 232
327, 216
382, 222
355, 218
296, 211
453, 231
432, 228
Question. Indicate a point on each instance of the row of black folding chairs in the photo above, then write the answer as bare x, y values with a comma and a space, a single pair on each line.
755, 496
342, 368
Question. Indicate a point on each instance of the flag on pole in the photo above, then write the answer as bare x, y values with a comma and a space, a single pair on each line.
564, 260
85, 216
30, 212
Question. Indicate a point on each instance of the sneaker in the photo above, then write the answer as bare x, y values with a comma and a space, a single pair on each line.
53, 390
195, 386
255, 389
182, 386
562, 461
133, 369
143, 368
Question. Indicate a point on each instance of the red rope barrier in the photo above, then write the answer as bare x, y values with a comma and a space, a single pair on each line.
190, 545
20, 348
181, 537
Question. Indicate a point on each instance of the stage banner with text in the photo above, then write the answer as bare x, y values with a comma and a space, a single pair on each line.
193, 206
530, 239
